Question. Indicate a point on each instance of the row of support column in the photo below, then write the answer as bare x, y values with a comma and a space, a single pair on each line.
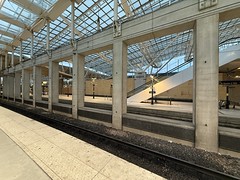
119, 106
12, 87
8, 86
205, 106
206, 65
4, 61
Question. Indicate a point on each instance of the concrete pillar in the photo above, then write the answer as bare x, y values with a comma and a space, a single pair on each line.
78, 84
1, 85
37, 84
119, 105
32, 43
72, 20
9, 83
1, 62
6, 93
48, 34
25, 85
53, 84
6, 60
206, 67
17, 82
4, 86
12, 59
20, 52
11, 86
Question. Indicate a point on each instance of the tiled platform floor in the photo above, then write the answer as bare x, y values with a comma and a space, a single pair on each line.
15, 163
62, 156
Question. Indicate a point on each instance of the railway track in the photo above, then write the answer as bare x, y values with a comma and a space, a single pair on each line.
181, 116
199, 171
187, 117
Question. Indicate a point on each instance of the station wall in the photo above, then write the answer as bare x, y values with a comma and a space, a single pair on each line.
103, 87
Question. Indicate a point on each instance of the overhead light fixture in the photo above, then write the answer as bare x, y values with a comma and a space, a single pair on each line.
237, 76
239, 68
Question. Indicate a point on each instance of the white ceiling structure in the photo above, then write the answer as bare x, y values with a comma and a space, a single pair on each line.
19, 18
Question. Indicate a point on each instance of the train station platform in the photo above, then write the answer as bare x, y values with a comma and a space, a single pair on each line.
32, 150
177, 106
15, 163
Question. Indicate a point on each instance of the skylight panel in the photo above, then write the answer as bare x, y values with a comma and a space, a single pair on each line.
11, 9
135, 5
27, 17
44, 4
8, 11
3, 25
82, 8
89, 3
15, 29
6, 38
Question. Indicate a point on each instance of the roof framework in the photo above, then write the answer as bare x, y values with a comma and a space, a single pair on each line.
18, 18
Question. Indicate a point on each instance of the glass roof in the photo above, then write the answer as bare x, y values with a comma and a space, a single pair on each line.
5, 26
17, 12
44, 4
94, 16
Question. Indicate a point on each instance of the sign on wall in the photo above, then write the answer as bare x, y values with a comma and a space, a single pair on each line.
140, 78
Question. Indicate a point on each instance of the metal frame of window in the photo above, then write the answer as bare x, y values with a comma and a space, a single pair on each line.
97, 15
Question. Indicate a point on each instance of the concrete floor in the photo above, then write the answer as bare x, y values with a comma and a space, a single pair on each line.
15, 163
60, 155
